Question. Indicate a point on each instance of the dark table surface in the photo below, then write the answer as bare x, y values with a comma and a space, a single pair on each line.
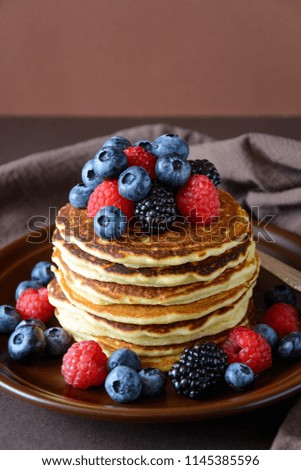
25, 426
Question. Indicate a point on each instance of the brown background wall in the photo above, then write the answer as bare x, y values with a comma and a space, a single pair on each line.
150, 57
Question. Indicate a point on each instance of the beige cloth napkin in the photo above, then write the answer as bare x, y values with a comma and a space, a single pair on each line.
259, 170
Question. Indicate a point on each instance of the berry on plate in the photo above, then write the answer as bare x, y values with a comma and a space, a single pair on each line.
134, 183
84, 365
204, 167
290, 346
280, 294
140, 156
110, 223
25, 285
107, 194
58, 341
79, 195
117, 141
283, 318
172, 171
34, 303
239, 376
109, 162
42, 273
33, 322
169, 143
9, 318
268, 333
26, 341
198, 200
153, 381
89, 177
200, 367
249, 347
123, 384
124, 357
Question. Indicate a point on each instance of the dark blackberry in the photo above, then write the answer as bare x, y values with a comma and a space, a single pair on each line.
157, 210
199, 368
204, 167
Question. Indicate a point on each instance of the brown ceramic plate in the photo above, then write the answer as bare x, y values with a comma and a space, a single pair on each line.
40, 382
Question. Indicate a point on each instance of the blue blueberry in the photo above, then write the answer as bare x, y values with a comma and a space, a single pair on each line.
109, 163
32, 322
42, 273
9, 318
153, 381
280, 293
25, 342
124, 357
239, 376
58, 341
290, 346
123, 384
79, 195
110, 223
134, 183
268, 333
145, 144
173, 171
170, 143
117, 141
26, 285
89, 177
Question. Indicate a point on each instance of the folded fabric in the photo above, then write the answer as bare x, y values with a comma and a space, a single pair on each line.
263, 172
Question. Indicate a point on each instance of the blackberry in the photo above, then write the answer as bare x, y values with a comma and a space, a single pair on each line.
204, 167
199, 368
157, 210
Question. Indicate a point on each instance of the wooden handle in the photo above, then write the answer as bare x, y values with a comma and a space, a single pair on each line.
284, 272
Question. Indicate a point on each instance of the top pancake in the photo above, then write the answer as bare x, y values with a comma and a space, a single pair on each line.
183, 243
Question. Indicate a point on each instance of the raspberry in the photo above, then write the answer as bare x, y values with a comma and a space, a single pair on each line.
283, 318
106, 194
34, 303
204, 167
84, 365
138, 156
198, 200
248, 346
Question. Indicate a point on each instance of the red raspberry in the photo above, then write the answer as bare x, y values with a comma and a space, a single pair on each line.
283, 318
106, 194
34, 303
198, 200
84, 365
248, 346
138, 156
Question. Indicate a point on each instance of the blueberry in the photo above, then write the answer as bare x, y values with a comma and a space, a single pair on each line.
117, 142
58, 341
145, 144
109, 163
153, 381
26, 285
268, 333
9, 318
169, 143
42, 273
79, 195
281, 293
239, 376
134, 183
89, 177
123, 384
124, 357
110, 223
172, 170
32, 322
26, 341
290, 346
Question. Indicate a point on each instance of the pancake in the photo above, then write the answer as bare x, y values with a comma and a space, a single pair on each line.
102, 293
184, 243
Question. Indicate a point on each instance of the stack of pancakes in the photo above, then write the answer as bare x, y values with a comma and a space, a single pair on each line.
154, 294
